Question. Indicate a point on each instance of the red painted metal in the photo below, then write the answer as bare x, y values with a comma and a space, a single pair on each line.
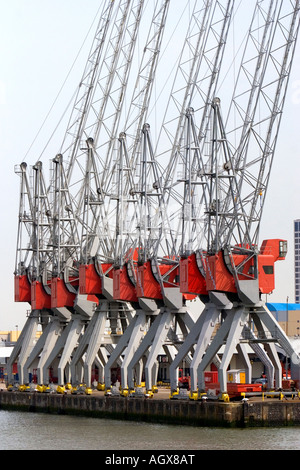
219, 277
39, 297
22, 289
147, 284
60, 295
271, 251
123, 287
234, 390
89, 279
149, 287
191, 279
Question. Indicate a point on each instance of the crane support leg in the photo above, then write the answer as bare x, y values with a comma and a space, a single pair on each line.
95, 343
271, 324
189, 342
266, 361
273, 354
234, 334
84, 341
241, 348
39, 346
171, 351
72, 336
159, 339
81, 348
68, 373
100, 361
22, 348
134, 341
186, 322
139, 368
261, 353
214, 347
84, 307
210, 316
142, 349
270, 347
116, 353
59, 346
122, 344
53, 332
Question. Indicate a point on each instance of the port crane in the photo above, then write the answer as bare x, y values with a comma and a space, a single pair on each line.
193, 234
157, 254
71, 144
237, 186
34, 224
97, 206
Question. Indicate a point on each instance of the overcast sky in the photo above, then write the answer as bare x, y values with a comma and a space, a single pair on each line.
39, 40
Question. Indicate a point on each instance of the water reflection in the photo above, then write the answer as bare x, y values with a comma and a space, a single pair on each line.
37, 431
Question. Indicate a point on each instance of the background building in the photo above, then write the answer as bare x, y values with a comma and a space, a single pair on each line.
8, 340
288, 317
297, 259
9, 337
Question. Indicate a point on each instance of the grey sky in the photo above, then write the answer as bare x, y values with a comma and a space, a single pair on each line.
39, 40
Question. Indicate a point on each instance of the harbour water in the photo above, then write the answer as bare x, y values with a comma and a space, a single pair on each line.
39, 431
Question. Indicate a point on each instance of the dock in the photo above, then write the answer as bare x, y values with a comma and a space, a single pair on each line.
254, 412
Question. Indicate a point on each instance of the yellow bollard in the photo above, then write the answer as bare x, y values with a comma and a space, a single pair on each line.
60, 389
225, 397
193, 395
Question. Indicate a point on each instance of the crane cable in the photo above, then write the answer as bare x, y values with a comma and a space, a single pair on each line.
58, 94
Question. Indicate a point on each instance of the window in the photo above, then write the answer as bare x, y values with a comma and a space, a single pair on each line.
268, 269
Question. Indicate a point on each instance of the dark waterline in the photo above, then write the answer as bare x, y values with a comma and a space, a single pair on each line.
37, 431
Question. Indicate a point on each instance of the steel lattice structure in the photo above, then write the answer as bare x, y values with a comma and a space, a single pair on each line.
140, 217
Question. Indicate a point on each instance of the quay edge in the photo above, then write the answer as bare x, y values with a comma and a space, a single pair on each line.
182, 412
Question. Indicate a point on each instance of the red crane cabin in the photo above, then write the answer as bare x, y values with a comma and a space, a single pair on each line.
220, 278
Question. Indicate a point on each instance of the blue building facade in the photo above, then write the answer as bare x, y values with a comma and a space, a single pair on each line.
287, 315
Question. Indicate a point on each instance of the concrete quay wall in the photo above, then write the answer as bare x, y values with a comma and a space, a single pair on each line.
183, 412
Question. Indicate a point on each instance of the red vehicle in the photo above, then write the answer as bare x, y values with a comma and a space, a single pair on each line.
184, 380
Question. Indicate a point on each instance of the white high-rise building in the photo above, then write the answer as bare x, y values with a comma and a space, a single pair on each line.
297, 259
